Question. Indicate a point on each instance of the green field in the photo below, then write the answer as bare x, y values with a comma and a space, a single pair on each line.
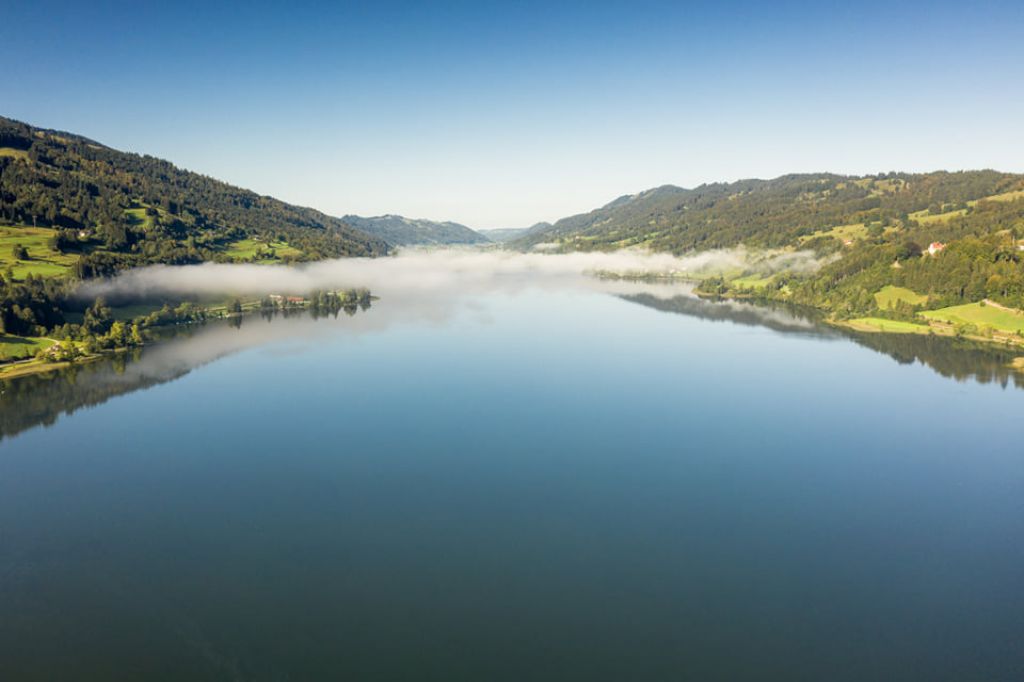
751, 281
878, 324
888, 296
245, 249
980, 315
43, 260
126, 313
21, 346
926, 218
139, 217
13, 153
1005, 196
841, 232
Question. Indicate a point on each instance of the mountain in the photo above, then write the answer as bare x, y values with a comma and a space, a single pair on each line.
108, 210
507, 234
501, 235
401, 231
929, 253
773, 213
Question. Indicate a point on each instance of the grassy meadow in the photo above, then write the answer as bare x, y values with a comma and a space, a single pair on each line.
843, 233
925, 218
888, 296
13, 153
1005, 196
752, 281
878, 324
15, 347
246, 249
982, 316
43, 261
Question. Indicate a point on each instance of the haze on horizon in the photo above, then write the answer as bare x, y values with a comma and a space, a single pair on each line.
499, 116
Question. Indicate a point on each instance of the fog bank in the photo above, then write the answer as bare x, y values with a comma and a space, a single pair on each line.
418, 272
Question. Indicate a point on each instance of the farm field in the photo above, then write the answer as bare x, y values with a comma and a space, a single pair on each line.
878, 324
925, 218
13, 347
890, 295
998, 318
752, 281
139, 217
43, 261
1005, 196
13, 153
245, 249
840, 232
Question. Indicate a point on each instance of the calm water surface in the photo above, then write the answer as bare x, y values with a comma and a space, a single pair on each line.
541, 486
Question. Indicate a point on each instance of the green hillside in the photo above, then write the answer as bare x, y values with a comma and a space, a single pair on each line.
820, 211
107, 210
71, 208
870, 235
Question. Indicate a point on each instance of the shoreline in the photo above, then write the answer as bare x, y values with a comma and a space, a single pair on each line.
877, 325
24, 368
30, 366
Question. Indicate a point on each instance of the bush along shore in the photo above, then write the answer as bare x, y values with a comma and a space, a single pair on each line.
103, 329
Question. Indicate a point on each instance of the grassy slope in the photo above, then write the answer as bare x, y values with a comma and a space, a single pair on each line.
46, 262
21, 346
840, 232
1001, 319
245, 249
878, 324
13, 153
752, 281
43, 260
926, 218
889, 295
1005, 196
139, 217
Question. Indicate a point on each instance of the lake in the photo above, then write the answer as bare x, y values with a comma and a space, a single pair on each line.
619, 483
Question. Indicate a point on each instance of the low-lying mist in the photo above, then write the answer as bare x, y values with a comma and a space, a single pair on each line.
417, 273
420, 287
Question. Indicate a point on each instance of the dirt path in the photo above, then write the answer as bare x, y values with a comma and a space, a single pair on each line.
1000, 306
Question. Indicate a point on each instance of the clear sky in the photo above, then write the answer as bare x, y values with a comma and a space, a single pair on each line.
505, 114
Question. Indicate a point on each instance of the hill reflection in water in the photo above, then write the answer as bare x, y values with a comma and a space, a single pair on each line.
42, 399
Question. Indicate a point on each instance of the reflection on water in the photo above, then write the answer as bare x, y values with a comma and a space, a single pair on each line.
777, 318
958, 359
536, 484
41, 399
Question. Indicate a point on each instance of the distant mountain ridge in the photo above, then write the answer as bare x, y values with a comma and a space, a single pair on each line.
771, 213
507, 234
401, 231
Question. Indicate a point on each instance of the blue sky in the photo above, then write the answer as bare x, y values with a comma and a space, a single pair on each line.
504, 114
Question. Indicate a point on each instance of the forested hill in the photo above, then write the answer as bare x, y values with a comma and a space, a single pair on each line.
401, 231
786, 211
508, 234
115, 209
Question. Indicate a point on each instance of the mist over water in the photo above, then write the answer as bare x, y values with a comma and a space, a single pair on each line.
420, 273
